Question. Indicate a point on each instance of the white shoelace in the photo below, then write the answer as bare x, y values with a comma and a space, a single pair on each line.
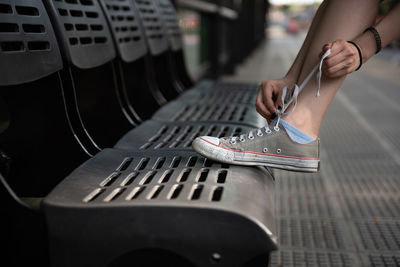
281, 112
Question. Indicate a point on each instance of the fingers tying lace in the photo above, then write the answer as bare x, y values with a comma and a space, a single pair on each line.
289, 96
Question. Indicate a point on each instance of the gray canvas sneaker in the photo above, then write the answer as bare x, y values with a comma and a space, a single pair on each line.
265, 146
272, 148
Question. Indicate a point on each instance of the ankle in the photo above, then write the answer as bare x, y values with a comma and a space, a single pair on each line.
304, 124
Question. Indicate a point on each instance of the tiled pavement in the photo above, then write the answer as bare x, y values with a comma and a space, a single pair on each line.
349, 213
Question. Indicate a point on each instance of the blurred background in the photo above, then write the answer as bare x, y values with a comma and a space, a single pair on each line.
274, 19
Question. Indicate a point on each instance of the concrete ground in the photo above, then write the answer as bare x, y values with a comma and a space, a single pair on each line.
349, 213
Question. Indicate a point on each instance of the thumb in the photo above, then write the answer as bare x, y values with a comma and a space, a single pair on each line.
325, 47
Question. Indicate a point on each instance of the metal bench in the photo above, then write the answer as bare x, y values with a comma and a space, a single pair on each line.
148, 200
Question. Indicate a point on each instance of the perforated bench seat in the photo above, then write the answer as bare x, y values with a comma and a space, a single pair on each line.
221, 112
215, 102
122, 201
220, 92
175, 135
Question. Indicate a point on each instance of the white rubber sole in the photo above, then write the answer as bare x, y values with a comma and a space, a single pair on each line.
224, 155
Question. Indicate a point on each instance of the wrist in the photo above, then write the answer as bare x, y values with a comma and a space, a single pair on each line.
377, 37
366, 42
359, 53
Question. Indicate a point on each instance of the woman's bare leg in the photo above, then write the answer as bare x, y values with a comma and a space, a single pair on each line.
341, 20
295, 69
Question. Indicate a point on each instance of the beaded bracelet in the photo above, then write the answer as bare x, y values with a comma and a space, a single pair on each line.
377, 38
359, 53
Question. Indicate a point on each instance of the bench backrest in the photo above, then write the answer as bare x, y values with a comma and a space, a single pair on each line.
37, 146
90, 78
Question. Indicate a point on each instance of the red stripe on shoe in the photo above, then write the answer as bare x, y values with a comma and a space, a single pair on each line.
259, 153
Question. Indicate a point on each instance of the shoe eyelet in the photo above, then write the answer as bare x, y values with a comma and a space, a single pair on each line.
251, 137
232, 142
268, 131
265, 150
278, 151
242, 140
276, 128
259, 134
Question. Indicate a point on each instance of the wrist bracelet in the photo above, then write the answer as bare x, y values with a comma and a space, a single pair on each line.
377, 38
359, 53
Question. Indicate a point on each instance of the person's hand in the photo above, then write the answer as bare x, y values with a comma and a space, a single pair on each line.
269, 96
344, 59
